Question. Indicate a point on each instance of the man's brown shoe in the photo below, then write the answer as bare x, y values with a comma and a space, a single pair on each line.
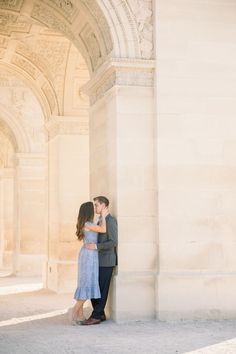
103, 318
91, 321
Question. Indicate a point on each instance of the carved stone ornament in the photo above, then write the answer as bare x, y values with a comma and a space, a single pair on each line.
65, 7
34, 58
11, 4
121, 73
7, 133
6, 81
100, 91
12, 23
48, 17
54, 53
6, 151
62, 125
47, 90
25, 65
22, 107
143, 14
3, 42
49, 56
91, 43
98, 15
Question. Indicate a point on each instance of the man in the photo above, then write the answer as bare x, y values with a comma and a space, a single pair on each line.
106, 247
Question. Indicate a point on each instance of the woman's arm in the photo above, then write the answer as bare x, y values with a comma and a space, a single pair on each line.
112, 235
98, 228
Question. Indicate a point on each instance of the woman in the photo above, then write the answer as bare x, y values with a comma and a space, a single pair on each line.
88, 286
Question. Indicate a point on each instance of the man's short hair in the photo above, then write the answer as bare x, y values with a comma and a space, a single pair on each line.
101, 199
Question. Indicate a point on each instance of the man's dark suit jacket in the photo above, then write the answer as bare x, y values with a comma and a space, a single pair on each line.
107, 243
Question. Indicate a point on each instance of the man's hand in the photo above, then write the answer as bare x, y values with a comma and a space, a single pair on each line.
91, 246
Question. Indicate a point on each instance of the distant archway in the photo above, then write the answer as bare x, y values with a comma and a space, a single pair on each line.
14, 131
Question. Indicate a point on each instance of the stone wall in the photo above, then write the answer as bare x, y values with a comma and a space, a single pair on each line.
196, 139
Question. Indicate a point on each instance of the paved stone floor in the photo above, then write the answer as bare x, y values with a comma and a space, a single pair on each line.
33, 320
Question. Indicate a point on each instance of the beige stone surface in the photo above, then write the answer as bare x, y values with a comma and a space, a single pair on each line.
196, 174
85, 110
68, 188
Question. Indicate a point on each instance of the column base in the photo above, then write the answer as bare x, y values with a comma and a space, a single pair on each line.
8, 260
196, 296
133, 297
60, 277
30, 264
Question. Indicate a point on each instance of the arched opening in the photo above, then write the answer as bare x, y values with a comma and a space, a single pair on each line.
23, 181
61, 50
42, 103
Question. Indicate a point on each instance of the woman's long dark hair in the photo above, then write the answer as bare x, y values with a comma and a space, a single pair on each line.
86, 213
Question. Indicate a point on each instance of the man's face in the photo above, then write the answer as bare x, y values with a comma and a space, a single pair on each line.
98, 207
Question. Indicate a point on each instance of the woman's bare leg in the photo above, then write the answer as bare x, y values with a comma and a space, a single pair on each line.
77, 310
81, 313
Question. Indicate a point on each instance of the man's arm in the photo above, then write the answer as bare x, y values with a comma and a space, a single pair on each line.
112, 235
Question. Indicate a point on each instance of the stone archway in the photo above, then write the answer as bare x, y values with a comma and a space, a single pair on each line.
23, 185
116, 40
47, 103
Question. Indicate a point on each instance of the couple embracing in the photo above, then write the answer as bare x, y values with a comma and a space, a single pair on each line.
97, 259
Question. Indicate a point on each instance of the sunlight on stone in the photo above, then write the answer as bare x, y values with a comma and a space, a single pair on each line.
14, 321
225, 347
20, 288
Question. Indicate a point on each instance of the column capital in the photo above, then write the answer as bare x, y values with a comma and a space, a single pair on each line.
67, 125
30, 159
119, 72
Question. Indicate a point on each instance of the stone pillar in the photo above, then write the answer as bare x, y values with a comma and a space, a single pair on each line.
196, 158
7, 219
68, 154
30, 216
1, 220
121, 167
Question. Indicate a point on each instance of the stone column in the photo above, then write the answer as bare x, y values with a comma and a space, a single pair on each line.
30, 201
196, 159
1, 220
68, 154
121, 167
7, 218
